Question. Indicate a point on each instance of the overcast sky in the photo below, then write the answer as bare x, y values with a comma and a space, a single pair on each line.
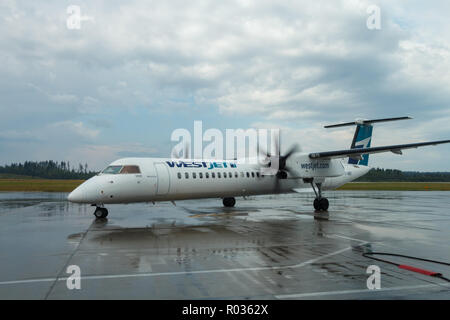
137, 70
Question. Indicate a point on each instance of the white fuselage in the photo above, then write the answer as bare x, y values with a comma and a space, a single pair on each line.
163, 179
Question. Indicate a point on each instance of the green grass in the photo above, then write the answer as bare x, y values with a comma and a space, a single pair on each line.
54, 185
403, 186
15, 176
46, 185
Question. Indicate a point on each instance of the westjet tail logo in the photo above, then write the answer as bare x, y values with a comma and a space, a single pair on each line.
208, 165
363, 143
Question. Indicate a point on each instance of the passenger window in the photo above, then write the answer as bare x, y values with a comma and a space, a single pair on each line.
207, 175
218, 175
186, 175
200, 175
248, 175
253, 174
236, 174
242, 174
230, 175
130, 169
179, 175
213, 175
194, 175
257, 174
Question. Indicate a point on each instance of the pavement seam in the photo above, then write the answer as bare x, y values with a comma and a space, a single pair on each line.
59, 275
153, 274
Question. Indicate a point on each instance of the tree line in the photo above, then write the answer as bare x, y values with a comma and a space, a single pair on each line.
64, 170
379, 174
48, 170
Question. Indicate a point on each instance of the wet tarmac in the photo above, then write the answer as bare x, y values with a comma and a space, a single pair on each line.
268, 247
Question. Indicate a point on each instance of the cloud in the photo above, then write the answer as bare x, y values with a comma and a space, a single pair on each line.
102, 155
18, 136
77, 128
296, 65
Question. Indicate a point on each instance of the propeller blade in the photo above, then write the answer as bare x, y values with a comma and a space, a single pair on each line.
277, 143
295, 148
263, 152
280, 160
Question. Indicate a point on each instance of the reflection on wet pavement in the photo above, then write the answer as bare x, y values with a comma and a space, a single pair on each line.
266, 247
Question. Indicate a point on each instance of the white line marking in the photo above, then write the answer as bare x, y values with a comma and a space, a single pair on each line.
28, 281
329, 293
159, 274
348, 238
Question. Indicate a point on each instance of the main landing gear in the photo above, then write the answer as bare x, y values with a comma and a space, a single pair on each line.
320, 204
229, 202
100, 212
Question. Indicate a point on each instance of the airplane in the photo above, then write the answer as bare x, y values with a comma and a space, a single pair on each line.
130, 180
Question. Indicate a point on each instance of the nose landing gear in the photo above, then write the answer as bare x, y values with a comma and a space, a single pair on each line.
100, 212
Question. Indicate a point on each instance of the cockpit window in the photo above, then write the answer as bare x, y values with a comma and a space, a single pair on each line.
112, 170
130, 169
121, 170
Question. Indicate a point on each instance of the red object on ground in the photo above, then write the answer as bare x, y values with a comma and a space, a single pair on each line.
422, 271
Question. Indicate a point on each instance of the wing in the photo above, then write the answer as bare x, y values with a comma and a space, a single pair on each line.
358, 152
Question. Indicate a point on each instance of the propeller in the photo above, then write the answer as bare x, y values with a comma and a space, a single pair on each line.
276, 164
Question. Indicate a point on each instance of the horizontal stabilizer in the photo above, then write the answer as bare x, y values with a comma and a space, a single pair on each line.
361, 121
353, 153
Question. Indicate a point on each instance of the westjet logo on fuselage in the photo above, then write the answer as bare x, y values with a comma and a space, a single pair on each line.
315, 166
202, 164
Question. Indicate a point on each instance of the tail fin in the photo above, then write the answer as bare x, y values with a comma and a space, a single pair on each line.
361, 139
363, 136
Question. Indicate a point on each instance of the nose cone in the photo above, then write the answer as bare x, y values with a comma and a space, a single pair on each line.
88, 192
76, 195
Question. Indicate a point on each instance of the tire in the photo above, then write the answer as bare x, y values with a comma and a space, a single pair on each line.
316, 204
229, 202
101, 213
324, 204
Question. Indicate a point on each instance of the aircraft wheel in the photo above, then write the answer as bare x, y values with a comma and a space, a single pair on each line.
316, 204
100, 213
229, 202
324, 204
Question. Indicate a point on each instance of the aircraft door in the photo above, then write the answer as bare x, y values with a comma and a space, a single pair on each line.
163, 178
